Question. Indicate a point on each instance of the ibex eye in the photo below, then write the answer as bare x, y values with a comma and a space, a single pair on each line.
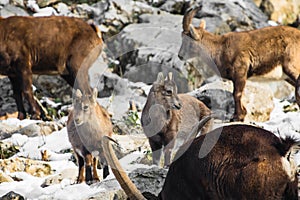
168, 92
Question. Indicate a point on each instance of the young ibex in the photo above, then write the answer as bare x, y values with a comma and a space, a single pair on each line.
53, 45
167, 116
240, 55
87, 123
246, 162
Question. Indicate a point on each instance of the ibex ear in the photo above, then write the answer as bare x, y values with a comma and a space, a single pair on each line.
170, 76
78, 94
193, 32
95, 94
202, 24
160, 78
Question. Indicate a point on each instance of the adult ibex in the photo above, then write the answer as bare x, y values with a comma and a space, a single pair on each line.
46, 45
246, 162
168, 115
87, 123
239, 55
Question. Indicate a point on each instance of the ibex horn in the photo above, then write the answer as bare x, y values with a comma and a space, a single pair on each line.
187, 18
170, 76
78, 93
160, 78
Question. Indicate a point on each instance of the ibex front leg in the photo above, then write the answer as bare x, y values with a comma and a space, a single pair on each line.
240, 111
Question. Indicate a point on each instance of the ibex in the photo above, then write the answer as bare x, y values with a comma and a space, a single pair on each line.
87, 123
53, 45
246, 162
239, 55
168, 115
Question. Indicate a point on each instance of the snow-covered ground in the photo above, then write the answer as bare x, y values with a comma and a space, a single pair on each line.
280, 123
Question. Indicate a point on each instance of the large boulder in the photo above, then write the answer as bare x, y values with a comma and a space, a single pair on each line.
257, 98
284, 12
149, 47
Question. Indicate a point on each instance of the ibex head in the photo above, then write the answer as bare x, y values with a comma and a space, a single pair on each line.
84, 104
165, 92
191, 36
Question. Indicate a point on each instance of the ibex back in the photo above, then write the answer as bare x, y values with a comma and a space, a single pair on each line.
240, 55
87, 123
166, 117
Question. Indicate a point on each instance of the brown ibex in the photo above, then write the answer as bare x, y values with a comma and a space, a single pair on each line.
167, 116
87, 123
53, 45
246, 162
239, 55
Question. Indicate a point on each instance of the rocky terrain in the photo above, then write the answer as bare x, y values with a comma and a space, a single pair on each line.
142, 38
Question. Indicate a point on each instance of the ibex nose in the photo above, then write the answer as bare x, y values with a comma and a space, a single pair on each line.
180, 56
177, 105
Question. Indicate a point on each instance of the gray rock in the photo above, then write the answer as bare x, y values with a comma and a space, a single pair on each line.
219, 101
117, 92
146, 180
53, 86
4, 2
238, 14
6, 130
7, 102
257, 99
39, 129
175, 7
149, 180
11, 10
150, 47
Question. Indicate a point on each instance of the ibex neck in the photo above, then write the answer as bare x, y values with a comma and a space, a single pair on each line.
212, 43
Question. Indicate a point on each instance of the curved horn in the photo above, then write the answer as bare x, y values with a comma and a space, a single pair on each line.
127, 185
187, 18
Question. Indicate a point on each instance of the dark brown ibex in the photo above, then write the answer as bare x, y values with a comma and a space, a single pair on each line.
53, 45
239, 55
246, 162
167, 116
87, 123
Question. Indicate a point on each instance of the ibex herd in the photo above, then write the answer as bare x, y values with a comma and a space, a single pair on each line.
244, 162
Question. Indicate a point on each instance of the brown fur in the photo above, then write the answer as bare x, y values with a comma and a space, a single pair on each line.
46, 45
167, 116
239, 55
246, 163
87, 123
